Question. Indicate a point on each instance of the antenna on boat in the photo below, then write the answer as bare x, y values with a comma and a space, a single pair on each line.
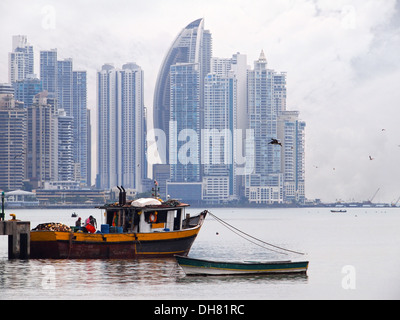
156, 189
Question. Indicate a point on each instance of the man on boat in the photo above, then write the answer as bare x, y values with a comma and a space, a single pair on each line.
78, 222
93, 221
91, 224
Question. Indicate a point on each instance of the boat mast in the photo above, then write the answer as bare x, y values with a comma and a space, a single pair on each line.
155, 190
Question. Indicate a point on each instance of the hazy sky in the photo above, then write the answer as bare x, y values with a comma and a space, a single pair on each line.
341, 58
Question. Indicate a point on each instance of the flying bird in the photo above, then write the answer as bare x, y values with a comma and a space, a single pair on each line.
275, 141
370, 158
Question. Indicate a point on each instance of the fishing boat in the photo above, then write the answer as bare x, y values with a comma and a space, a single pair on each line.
193, 266
146, 227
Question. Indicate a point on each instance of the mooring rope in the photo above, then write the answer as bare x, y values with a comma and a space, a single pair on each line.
237, 231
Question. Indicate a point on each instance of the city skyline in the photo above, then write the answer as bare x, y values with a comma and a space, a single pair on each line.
340, 59
197, 97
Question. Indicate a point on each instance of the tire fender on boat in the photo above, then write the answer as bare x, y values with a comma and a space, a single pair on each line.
153, 217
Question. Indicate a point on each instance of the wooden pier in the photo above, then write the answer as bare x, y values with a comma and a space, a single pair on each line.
18, 233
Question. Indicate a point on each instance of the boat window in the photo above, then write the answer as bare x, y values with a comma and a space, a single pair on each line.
161, 216
177, 219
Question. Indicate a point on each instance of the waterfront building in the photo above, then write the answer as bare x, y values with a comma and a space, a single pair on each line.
7, 92
121, 118
21, 59
26, 89
61, 193
42, 145
64, 86
266, 97
220, 104
63, 146
13, 140
20, 199
225, 114
89, 149
192, 45
49, 70
291, 133
81, 127
50, 143
185, 122
184, 67
70, 89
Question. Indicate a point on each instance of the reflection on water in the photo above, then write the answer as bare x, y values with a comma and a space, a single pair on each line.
270, 278
65, 274
52, 279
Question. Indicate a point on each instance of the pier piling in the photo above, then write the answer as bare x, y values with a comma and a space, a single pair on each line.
18, 233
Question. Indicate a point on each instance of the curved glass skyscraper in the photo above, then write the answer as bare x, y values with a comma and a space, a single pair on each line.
192, 45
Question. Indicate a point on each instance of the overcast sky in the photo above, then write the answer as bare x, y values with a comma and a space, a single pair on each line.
341, 58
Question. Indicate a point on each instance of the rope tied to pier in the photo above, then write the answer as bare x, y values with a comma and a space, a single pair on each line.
244, 235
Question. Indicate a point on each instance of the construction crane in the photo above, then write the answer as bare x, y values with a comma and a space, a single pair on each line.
374, 195
395, 203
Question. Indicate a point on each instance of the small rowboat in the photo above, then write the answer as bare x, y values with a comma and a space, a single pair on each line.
193, 266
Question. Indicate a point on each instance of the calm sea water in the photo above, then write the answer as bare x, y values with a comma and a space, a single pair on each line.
353, 255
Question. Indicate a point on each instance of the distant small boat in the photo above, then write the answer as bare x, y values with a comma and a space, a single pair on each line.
339, 211
74, 215
193, 266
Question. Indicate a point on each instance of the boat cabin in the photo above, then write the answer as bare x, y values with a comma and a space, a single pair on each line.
145, 215
145, 219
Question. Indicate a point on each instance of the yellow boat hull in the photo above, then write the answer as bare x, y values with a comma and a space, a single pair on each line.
78, 245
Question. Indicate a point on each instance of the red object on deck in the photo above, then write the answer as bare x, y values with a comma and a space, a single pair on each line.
90, 228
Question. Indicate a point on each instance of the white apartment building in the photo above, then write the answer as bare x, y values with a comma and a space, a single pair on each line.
121, 127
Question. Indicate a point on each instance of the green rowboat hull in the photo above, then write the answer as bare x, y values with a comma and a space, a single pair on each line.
207, 267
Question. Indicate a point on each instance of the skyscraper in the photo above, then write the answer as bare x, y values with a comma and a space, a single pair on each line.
21, 63
69, 89
192, 45
64, 86
291, 133
25, 90
63, 146
13, 140
266, 97
220, 123
225, 116
81, 124
48, 70
120, 126
42, 142
185, 123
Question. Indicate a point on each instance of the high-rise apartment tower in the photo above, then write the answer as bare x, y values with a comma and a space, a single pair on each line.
120, 127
